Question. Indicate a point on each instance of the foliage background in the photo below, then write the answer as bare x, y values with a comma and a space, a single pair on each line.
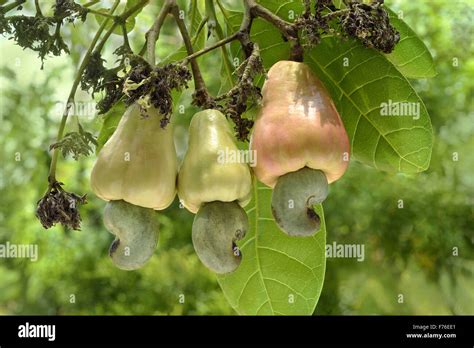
408, 251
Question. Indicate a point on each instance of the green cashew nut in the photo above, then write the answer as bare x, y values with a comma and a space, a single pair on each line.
293, 200
216, 228
136, 230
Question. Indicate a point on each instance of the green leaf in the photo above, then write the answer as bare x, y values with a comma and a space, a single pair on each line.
389, 143
410, 56
111, 120
279, 275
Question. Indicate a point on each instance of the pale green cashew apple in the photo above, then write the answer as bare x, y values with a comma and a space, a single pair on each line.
216, 189
138, 164
136, 230
301, 145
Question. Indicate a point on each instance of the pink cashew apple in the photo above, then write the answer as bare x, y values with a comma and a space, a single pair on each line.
301, 145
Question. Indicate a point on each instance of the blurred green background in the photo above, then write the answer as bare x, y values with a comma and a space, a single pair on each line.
408, 251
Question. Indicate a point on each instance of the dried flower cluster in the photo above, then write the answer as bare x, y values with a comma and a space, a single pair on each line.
370, 23
151, 86
313, 25
40, 33
244, 94
59, 206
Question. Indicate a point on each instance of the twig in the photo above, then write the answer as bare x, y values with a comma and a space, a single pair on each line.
249, 65
216, 27
38, 8
288, 30
199, 28
125, 37
91, 3
199, 83
153, 34
245, 30
103, 14
219, 43
336, 13
11, 6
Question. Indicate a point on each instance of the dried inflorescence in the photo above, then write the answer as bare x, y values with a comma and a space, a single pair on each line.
69, 10
312, 26
40, 33
151, 86
245, 93
370, 23
98, 78
60, 206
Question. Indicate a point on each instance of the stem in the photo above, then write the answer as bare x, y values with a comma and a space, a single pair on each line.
11, 6
245, 30
153, 34
198, 80
101, 13
199, 28
125, 37
85, 61
216, 27
336, 13
91, 3
245, 74
287, 29
219, 43
38, 9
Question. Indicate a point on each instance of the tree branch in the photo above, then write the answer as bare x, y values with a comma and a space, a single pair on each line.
288, 30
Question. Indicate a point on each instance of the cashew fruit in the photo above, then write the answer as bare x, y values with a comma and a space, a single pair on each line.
138, 164
216, 190
203, 176
216, 228
299, 139
136, 230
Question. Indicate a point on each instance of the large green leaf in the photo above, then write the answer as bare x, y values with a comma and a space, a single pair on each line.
358, 88
279, 275
410, 56
390, 143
